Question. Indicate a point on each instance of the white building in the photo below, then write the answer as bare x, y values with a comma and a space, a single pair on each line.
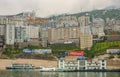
82, 64
98, 31
2, 29
10, 34
20, 34
32, 31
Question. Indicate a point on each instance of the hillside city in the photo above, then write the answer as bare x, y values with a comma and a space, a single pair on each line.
63, 41
92, 32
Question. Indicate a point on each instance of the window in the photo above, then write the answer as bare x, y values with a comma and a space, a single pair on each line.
103, 68
102, 60
61, 61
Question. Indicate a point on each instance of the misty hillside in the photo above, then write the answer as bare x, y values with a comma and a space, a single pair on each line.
111, 13
105, 13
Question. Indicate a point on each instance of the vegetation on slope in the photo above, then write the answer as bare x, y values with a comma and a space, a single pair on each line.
102, 46
111, 13
64, 47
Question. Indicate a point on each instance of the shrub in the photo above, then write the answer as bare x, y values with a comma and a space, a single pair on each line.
111, 56
118, 56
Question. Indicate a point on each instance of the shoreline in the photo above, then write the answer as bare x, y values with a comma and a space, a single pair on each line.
36, 62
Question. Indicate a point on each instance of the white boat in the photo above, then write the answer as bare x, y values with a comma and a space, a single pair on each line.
47, 69
21, 66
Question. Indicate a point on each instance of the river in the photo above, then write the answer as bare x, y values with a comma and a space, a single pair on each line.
57, 74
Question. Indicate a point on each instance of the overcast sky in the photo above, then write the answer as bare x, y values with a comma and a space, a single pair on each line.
49, 7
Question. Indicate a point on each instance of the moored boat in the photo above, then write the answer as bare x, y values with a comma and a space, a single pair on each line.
21, 66
48, 69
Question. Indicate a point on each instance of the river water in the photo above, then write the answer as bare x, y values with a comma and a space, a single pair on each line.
57, 74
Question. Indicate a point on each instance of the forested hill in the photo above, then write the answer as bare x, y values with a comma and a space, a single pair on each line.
105, 13
111, 13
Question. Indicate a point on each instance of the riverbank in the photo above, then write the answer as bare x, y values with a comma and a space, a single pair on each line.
35, 62
111, 63
45, 63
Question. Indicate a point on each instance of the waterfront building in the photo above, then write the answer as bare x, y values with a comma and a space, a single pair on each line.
102, 63
81, 64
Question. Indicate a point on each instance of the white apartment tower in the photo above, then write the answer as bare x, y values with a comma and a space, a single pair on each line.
10, 34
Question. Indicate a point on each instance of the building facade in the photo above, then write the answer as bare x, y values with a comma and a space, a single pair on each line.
10, 34
84, 20
86, 39
82, 64
2, 30
62, 35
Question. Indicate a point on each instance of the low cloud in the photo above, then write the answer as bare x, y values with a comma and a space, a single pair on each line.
50, 7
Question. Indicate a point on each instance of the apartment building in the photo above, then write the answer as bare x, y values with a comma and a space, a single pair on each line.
112, 25
2, 36
63, 34
20, 34
67, 21
2, 29
84, 20
32, 31
98, 31
86, 39
10, 34
44, 36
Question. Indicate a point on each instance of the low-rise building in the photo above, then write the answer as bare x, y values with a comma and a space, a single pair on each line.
82, 64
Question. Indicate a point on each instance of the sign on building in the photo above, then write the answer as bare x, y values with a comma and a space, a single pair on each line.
76, 53
113, 50
38, 51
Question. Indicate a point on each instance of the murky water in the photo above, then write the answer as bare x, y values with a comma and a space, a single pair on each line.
57, 74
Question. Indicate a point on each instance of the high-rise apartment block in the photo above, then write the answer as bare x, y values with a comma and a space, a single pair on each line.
84, 20
86, 39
